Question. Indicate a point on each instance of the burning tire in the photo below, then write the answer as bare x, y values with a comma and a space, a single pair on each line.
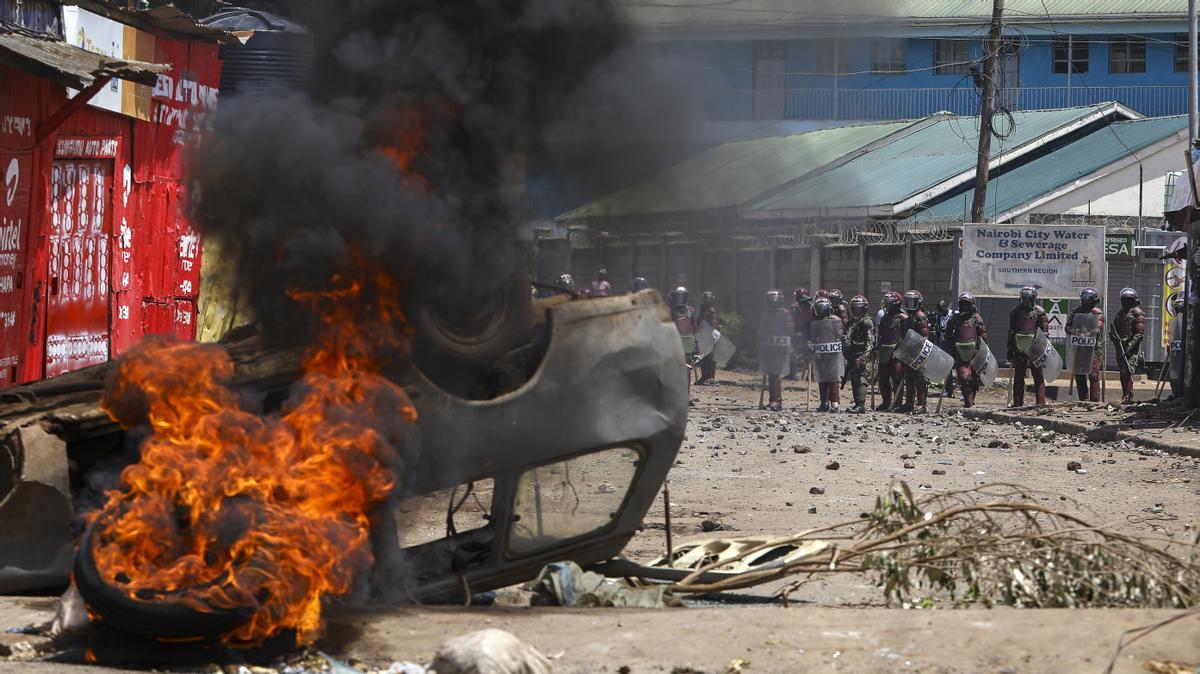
164, 617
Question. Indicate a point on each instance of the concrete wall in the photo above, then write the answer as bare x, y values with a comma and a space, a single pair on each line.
839, 268
933, 271
716, 275
753, 281
683, 266
885, 265
793, 269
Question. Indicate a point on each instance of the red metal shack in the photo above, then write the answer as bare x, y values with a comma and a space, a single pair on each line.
95, 247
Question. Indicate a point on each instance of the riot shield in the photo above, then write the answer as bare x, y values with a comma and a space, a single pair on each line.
924, 356
775, 344
687, 335
1044, 356
828, 363
984, 364
723, 349
1175, 347
1081, 346
706, 337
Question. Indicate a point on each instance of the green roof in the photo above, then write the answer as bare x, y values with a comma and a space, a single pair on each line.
731, 174
1021, 185
878, 182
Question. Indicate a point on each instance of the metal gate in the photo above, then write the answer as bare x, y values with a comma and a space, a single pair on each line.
77, 297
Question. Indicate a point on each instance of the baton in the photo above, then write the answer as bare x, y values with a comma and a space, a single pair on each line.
1116, 340
808, 386
1161, 371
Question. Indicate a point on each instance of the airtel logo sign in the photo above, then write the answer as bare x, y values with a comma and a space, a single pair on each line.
10, 182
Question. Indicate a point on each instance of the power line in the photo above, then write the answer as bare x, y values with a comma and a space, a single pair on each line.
1089, 89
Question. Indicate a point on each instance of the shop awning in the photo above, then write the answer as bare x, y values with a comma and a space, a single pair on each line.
71, 66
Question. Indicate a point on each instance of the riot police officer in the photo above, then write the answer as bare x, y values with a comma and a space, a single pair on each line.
916, 388
941, 316
859, 342
826, 346
775, 332
967, 330
1086, 349
802, 316
892, 327
600, 286
684, 317
839, 306
1024, 322
638, 284
708, 322
566, 282
1128, 329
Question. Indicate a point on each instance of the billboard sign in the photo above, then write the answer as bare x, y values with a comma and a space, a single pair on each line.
1058, 260
101, 35
1174, 281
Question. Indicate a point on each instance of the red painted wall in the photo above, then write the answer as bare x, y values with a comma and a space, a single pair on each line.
152, 255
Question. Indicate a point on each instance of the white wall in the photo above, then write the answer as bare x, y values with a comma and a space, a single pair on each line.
1117, 193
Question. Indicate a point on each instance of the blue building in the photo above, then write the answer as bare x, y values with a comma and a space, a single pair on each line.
902, 59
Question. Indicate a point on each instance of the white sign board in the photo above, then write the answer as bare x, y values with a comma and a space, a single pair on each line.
101, 35
1058, 260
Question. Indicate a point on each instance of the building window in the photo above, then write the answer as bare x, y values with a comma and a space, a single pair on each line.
889, 55
1126, 55
831, 52
1181, 52
1076, 60
950, 57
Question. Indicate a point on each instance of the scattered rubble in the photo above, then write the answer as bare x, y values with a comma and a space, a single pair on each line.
489, 651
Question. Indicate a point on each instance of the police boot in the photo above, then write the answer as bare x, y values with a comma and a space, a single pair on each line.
824, 407
857, 409
776, 406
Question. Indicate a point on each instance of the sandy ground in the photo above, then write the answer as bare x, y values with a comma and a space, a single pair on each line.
752, 471
739, 466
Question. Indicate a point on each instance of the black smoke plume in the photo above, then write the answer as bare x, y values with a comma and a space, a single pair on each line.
408, 152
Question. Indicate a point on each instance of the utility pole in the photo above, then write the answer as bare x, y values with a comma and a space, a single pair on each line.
1193, 95
991, 68
1191, 319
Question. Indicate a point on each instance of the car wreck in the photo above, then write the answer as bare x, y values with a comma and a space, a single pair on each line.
576, 451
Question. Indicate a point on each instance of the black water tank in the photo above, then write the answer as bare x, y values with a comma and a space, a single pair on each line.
268, 50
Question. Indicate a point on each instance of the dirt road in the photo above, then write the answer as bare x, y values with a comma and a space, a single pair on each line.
752, 471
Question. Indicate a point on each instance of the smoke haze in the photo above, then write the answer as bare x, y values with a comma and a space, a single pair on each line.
409, 153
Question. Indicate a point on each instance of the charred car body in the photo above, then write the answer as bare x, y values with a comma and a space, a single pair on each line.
585, 422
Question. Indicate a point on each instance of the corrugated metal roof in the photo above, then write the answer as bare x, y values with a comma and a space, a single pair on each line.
910, 165
1062, 167
776, 14
731, 174
54, 59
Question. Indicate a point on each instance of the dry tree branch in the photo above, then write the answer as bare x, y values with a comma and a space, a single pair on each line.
990, 544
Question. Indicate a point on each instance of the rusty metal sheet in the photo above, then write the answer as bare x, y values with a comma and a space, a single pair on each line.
16, 170
69, 65
77, 300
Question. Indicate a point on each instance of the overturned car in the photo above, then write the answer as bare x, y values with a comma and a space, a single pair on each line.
569, 447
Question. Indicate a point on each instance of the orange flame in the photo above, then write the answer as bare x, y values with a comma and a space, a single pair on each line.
229, 509
409, 145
